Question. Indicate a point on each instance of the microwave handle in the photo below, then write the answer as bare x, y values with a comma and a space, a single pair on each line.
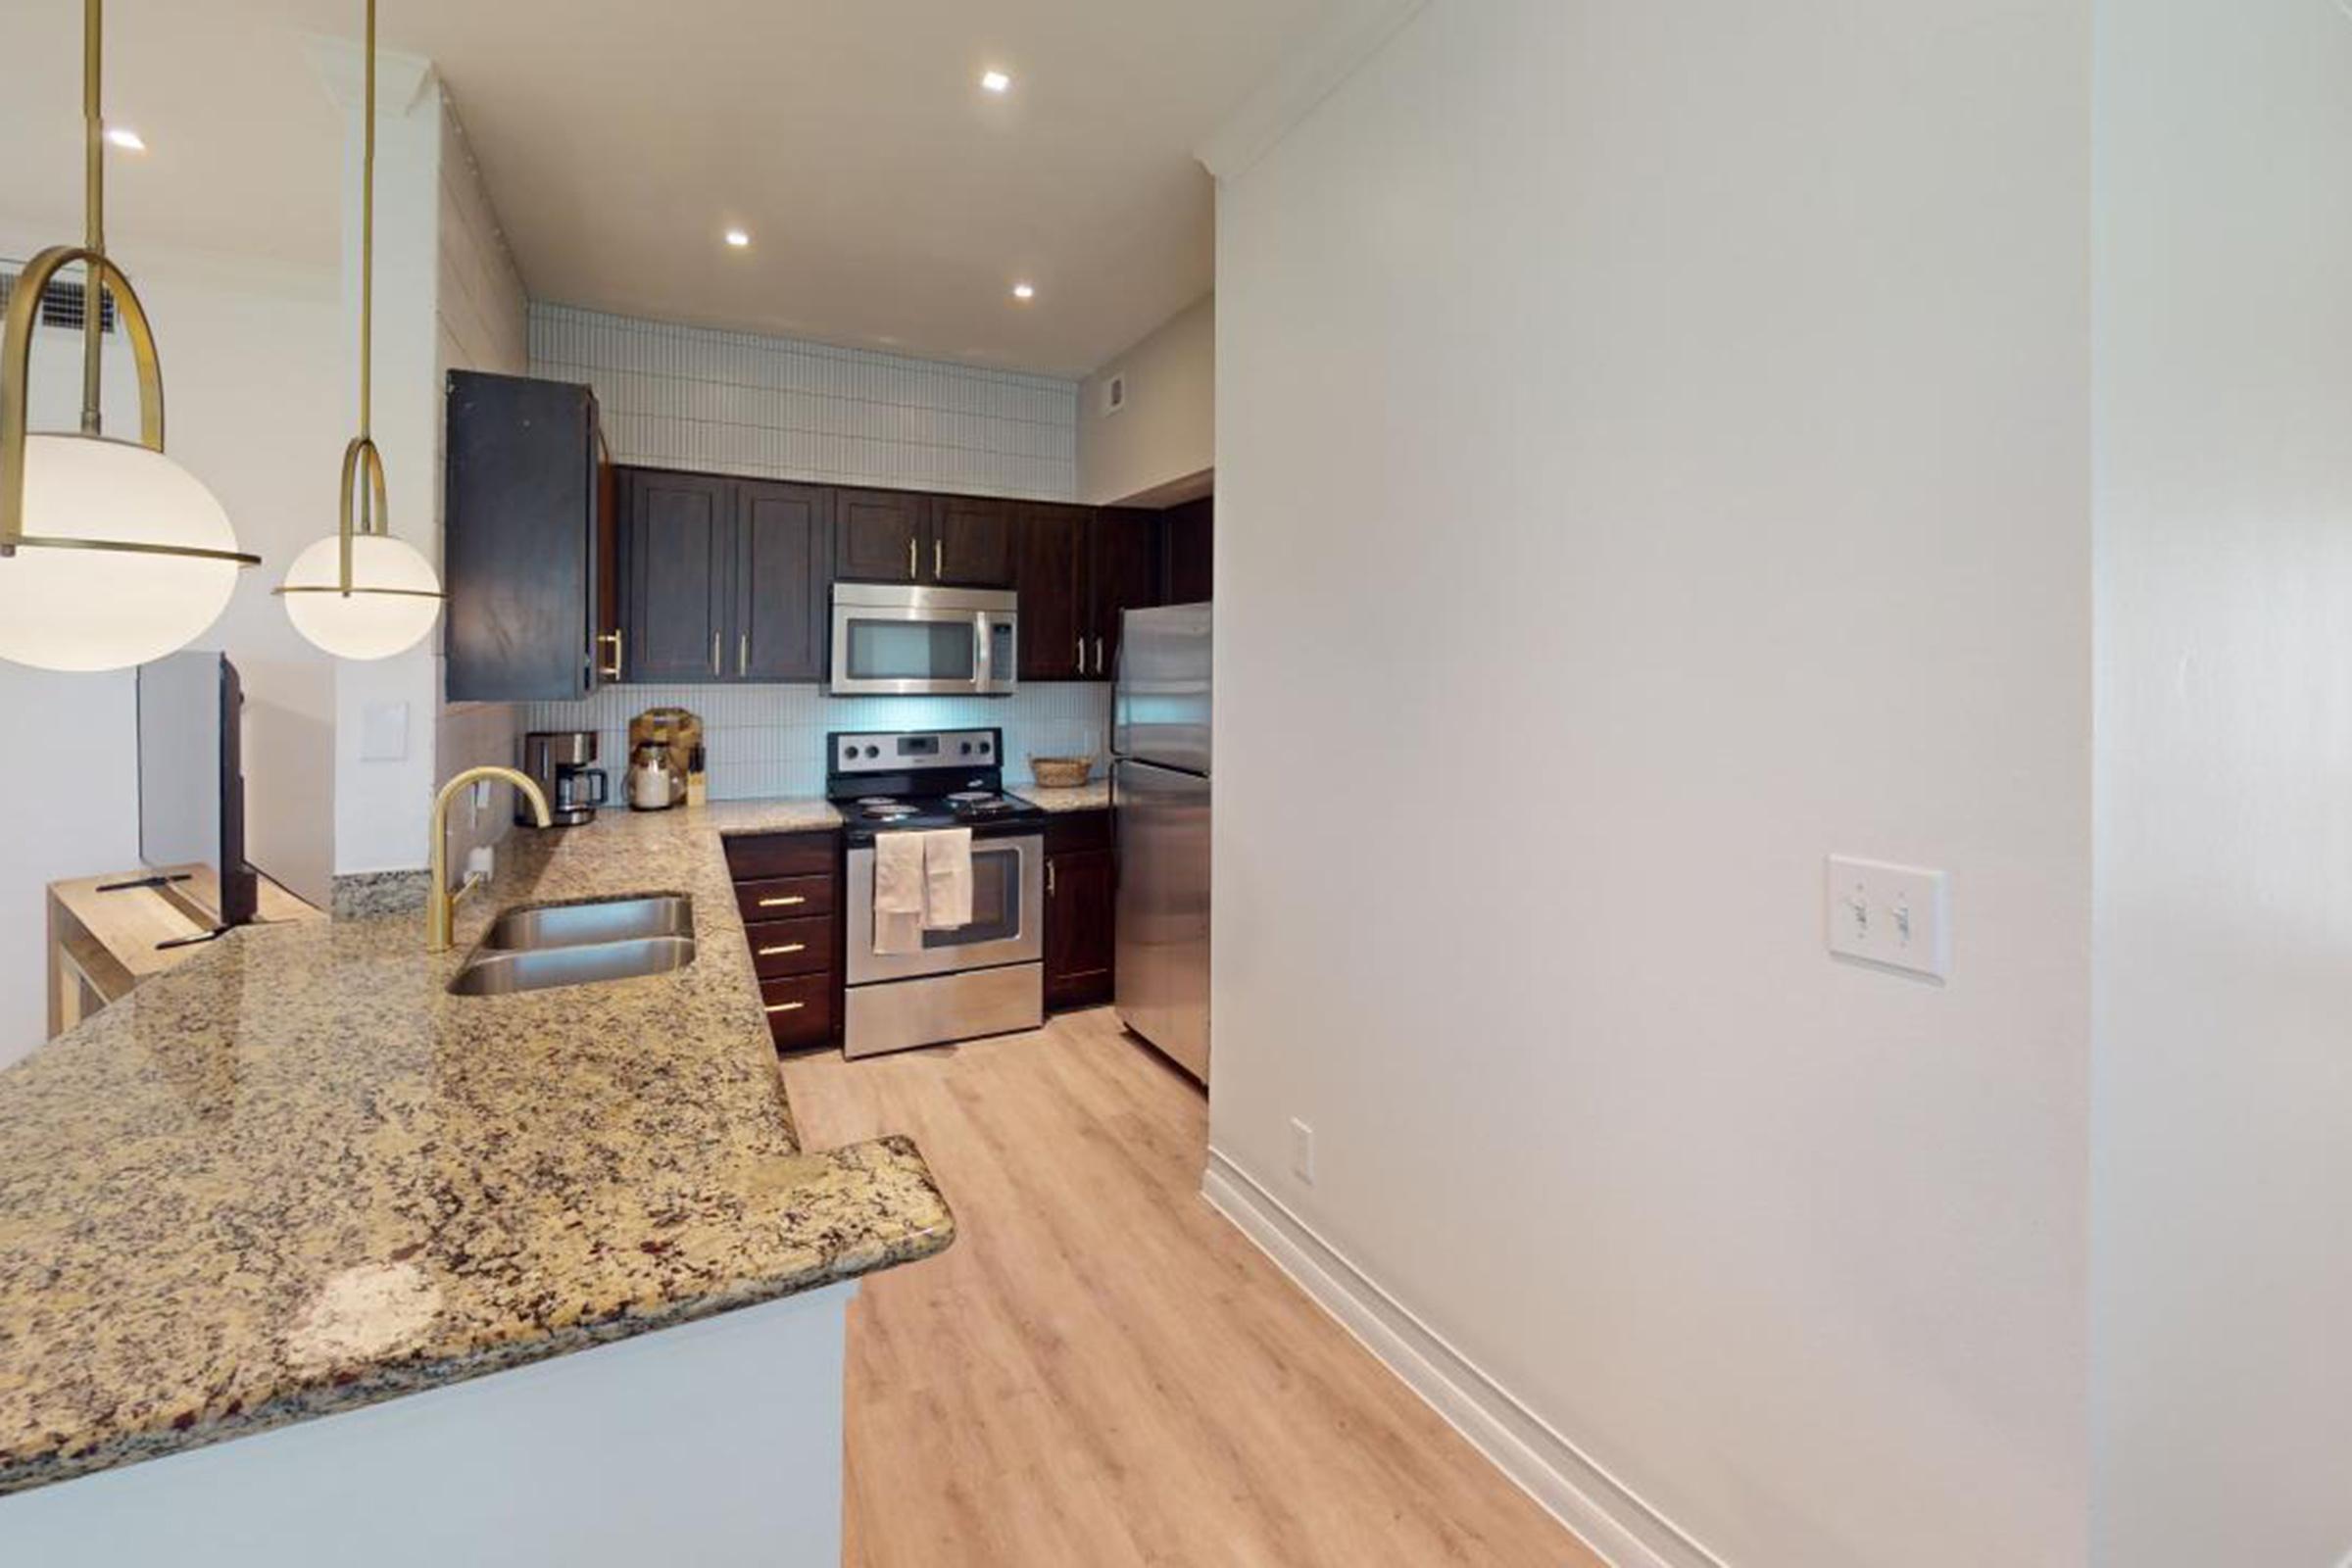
982, 653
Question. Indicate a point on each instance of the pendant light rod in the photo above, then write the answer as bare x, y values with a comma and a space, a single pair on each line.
93, 205
367, 249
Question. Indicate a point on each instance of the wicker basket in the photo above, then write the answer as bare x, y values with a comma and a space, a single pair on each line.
1060, 772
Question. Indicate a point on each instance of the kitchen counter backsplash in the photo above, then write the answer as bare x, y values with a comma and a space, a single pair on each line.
764, 742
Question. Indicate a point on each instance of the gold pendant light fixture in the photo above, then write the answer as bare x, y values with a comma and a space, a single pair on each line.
110, 553
363, 593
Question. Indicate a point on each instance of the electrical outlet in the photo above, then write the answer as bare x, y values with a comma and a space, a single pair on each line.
1895, 916
482, 794
1302, 1152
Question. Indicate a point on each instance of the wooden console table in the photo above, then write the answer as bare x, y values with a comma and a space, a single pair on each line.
104, 944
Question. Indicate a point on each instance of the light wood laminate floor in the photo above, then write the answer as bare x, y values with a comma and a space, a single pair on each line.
1101, 1371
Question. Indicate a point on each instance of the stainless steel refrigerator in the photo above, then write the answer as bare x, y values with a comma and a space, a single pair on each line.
1159, 786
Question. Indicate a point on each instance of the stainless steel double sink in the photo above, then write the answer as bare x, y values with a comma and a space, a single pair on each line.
580, 944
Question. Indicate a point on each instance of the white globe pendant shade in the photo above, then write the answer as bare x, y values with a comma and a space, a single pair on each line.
362, 624
89, 609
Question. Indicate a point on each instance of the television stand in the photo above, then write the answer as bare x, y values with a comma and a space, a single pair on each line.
109, 934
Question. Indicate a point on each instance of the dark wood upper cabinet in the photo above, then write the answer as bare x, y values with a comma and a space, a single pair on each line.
1126, 577
971, 543
880, 535
783, 554
679, 545
1051, 560
1188, 542
526, 539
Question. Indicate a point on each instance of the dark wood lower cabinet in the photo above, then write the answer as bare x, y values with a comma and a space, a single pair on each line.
1081, 909
786, 887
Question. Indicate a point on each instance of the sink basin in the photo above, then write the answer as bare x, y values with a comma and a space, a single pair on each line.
490, 973
576, 925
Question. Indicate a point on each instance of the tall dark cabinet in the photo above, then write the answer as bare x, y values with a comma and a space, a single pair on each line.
529, 541
1188, 542
1127, 552
1053, 556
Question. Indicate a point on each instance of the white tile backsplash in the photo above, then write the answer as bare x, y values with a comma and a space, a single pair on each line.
777, 408
762, 742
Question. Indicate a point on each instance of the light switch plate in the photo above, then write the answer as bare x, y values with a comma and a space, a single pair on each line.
383, 732
1899, 916
1302, 1152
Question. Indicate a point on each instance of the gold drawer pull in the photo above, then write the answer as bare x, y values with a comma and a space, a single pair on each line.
785, 1007
779, 952
783, 904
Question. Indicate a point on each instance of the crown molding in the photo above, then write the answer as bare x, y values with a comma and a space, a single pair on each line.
1350, 33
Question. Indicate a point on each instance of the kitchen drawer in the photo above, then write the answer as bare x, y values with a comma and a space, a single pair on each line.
1077, 830
799, 1008
771, 854
791, 947
784, 897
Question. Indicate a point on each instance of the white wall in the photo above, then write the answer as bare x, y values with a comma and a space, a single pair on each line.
2223, 939
1166, 431
1670, 424
778, 408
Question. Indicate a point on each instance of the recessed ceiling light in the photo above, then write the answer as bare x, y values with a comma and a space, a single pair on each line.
126, 138
1024, 291
996, 81
738, 238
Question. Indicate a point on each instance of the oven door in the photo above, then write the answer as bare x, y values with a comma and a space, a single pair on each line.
1008, 915
896, 641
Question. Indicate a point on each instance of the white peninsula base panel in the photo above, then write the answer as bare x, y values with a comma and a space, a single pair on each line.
717, 1443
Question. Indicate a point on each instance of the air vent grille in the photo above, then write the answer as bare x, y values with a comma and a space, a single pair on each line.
62, 302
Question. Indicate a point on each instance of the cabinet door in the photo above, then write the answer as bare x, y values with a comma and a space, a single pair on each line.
518, 549
678, 541
783, 539
1126, 577
1081, 902
1189, 543
878, 535
1049, 572
971, 543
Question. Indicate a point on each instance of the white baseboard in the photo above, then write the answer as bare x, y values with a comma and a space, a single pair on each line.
1600, 1510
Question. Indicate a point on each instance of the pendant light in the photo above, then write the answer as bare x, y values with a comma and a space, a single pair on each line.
363, 593
110, 553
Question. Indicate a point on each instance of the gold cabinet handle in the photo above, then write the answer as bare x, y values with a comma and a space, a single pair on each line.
939, 553
785, 1007
1052, 881
611, 671
783, 903
910, 560
779, 952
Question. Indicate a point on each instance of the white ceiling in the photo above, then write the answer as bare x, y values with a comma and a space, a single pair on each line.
890, 201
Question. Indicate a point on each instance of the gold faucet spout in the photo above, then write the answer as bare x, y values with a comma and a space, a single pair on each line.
440, 904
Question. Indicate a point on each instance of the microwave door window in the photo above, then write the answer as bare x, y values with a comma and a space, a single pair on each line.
995, 902
910, 650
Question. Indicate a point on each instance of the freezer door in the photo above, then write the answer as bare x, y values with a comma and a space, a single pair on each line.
1164, 692
1162, 974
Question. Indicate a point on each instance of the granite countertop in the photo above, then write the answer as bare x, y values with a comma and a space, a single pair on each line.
1092, 796
294, 1175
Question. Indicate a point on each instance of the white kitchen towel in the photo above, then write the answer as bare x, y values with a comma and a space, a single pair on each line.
947, 879
898, 893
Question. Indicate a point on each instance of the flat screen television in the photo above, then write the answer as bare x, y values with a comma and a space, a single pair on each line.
192, 779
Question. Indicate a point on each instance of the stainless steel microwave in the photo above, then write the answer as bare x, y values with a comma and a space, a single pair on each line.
894, 640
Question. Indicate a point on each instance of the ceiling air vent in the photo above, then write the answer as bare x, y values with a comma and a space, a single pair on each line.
61, 301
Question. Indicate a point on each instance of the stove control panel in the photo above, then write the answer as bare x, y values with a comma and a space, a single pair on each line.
903, 751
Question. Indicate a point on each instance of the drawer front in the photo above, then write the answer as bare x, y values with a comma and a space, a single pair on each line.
1077, 830
800, 1008
784, 897
769, 855
791, 947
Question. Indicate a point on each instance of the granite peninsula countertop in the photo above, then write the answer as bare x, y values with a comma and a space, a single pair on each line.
294, 1175
1092, 796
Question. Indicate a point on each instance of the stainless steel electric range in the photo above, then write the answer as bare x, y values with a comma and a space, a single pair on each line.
983, 978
